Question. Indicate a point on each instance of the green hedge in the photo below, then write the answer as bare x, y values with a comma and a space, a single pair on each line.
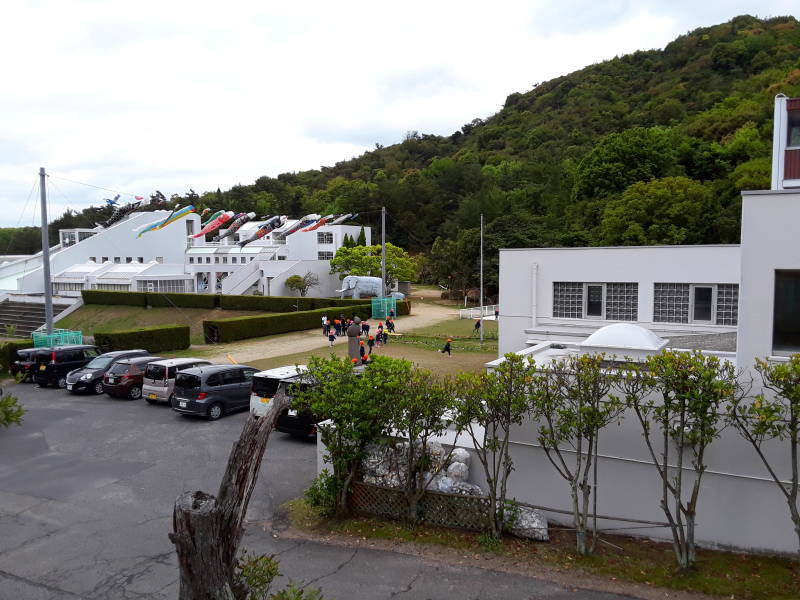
8, 352
182, 300
281, 304
149, 299
152, 339
403, 308
115, 298
240, 328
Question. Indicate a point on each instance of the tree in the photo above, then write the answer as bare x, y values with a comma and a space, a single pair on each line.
774, 417
693, 391
362, 237
366, 260
569, 399
673, 210
358, 407
10, 411
487, 405
420, 415
302, 284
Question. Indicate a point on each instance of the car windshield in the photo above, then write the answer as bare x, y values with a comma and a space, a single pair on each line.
24, 354
101, 362
265, 387
187, 381
155, 371
120, 368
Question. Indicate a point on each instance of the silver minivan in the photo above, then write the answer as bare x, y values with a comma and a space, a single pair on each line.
159, 377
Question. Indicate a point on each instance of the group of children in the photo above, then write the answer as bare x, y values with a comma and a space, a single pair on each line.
339, 326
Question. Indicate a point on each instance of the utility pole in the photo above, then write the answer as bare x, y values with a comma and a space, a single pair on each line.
481, 303
383, 251
48, 291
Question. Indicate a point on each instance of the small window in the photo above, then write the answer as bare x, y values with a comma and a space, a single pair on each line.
159, 259
140, 259
324, 237
208, 260
224, 260
191, 260
325, 255
786, 317
105, 259
233, 260
92, 259
128, 259
117, 260
216, 260
594, 300
279, 258
248, 375
702, 303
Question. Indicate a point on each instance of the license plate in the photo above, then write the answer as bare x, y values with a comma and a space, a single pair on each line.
292, 412
42, 367
152, 396
265, 400
112, 380
69, 387
182, 404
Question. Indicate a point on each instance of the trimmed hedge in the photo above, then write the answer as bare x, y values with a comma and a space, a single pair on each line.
240, 328
8, 352
152, 339
281, 304
403, 308
182, 300
114, 298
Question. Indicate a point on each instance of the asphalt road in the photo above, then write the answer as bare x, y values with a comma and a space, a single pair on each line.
87, 485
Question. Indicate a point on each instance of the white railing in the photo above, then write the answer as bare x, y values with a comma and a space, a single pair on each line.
478, 311
242, 278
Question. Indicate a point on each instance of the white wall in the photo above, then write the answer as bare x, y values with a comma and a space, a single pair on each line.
769, 242
527, 276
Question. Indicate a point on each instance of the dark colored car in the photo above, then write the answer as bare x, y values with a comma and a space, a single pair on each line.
124, 378
89, 378
53, 364
213, 390
25, 363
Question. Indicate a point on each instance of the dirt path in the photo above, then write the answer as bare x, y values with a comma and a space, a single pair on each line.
422, 315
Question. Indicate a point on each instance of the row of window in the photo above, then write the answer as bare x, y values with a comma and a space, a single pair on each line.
63, 286
324, 237
162, 285
128, 259
672, 302
234, 260
324, 255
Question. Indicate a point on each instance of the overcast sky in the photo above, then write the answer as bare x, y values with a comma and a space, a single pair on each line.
172, 95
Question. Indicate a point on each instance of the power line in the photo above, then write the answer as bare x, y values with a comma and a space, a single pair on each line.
97, 187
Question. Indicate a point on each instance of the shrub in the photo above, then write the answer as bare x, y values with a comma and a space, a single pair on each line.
240, 328
8, 351
323, 493
114, 298
182, 300
403, 308
10, 411
281, 304
152, 339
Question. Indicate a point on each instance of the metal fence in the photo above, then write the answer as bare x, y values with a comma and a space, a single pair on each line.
478, 312
434, 508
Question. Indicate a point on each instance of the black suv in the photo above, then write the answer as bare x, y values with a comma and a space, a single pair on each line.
53, 364
89, 378
25, 363
213, 390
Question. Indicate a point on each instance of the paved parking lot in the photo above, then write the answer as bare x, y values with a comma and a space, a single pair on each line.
86, 492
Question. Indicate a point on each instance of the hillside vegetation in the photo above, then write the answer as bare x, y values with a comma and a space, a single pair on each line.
648, 148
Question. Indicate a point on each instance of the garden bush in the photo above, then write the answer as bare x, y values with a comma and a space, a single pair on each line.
114, 298
8, 352
152, 339
240, 328
182, 300
281, 304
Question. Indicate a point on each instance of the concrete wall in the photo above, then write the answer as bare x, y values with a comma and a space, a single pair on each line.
527, 276
769, 242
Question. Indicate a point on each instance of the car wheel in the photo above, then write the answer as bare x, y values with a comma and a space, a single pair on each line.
62, 382
214, 411
135, 392
98, 387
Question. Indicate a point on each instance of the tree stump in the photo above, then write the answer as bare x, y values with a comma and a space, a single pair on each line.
207, 530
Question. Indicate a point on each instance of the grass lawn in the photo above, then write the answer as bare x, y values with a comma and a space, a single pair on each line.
423, 358
728, 574
433, 337
95, 317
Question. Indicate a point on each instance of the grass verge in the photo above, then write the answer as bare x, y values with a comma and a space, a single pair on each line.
728, 574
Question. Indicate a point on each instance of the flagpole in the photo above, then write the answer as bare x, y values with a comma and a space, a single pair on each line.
481, 303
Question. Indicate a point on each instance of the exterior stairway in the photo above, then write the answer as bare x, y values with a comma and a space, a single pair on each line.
27, 317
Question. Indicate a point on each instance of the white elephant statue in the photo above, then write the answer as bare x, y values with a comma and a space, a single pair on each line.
356, 285
397, 295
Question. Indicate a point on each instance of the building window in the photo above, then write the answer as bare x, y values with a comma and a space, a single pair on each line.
671, 303
161, 285
117, 260
233, 260
191, 260
128, 259
140, 259
727, 304
63, 286
279, 258
93, 259
702, 303
113, 287
324, 237
567, 299
105, 259
622, 301
224, 260
208, 260
322, 255
786, 318
216, 260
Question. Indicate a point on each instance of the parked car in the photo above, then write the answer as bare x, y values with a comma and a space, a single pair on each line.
26, 363
213, 390
124, 378
89, 378
159, 377
53, 364
267, 383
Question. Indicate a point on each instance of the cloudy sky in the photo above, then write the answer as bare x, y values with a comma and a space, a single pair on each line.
172, 95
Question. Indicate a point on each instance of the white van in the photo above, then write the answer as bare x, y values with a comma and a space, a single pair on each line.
159, 377
267, 383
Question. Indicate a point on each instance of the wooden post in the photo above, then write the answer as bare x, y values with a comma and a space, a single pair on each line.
207, 530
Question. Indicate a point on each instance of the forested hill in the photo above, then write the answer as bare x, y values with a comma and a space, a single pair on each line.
648, 148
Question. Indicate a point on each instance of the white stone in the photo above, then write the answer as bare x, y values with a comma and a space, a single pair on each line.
458, 471
528, 523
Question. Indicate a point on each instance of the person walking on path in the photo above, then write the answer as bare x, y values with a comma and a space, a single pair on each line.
361, 351
365, 327
497, 314
371, 343
331, 338
385, 337
391, 313
390, 325
477, 329
324, 320
337, 325
446, 347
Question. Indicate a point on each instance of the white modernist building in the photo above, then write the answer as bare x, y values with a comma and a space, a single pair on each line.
169, 260
634, 302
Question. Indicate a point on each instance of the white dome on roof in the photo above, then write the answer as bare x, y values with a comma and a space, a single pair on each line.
624, 336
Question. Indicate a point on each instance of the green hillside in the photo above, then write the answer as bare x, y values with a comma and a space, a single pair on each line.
648, 148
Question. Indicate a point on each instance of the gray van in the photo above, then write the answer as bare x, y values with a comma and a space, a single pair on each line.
159, 377
213, 391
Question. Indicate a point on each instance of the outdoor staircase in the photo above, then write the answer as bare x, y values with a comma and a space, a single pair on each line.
27, 316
